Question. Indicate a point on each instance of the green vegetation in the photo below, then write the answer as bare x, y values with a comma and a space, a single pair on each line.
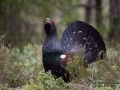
23, 20
24, 71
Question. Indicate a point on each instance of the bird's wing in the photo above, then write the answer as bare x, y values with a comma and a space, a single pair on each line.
80, 35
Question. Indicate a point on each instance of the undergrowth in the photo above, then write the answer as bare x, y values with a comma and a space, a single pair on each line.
24, 71
102, 74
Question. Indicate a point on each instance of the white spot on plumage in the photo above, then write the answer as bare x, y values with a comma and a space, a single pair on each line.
80, 32
84, 46
96, 45
68, 45
62, 56
61, 66
70, 38
85, 38
73, 32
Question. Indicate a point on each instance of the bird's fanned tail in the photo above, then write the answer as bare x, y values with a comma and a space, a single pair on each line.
81, 35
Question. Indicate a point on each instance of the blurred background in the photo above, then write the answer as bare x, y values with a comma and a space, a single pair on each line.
22, 21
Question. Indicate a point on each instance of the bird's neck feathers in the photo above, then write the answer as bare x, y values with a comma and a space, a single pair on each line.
50, 30
51, 38
51, 43
52, 35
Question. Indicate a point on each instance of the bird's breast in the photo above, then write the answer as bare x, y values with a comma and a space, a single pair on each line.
49, 59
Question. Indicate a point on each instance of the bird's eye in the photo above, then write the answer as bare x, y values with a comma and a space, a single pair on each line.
53, 23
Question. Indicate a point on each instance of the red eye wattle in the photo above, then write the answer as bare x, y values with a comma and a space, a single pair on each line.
53, 23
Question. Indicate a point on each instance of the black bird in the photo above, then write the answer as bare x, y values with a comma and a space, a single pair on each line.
76, 36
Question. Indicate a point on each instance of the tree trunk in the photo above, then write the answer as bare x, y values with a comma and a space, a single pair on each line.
114, 20
88, 11
98, 13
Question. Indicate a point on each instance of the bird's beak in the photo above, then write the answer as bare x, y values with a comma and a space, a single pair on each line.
48, 20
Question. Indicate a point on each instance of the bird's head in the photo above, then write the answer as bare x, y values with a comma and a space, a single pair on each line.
50, 27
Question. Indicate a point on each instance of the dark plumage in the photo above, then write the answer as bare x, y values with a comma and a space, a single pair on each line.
76, 36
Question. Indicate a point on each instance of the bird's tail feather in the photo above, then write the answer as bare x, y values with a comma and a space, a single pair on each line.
81, 35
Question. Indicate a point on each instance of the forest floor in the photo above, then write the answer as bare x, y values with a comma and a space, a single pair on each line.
23, 70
